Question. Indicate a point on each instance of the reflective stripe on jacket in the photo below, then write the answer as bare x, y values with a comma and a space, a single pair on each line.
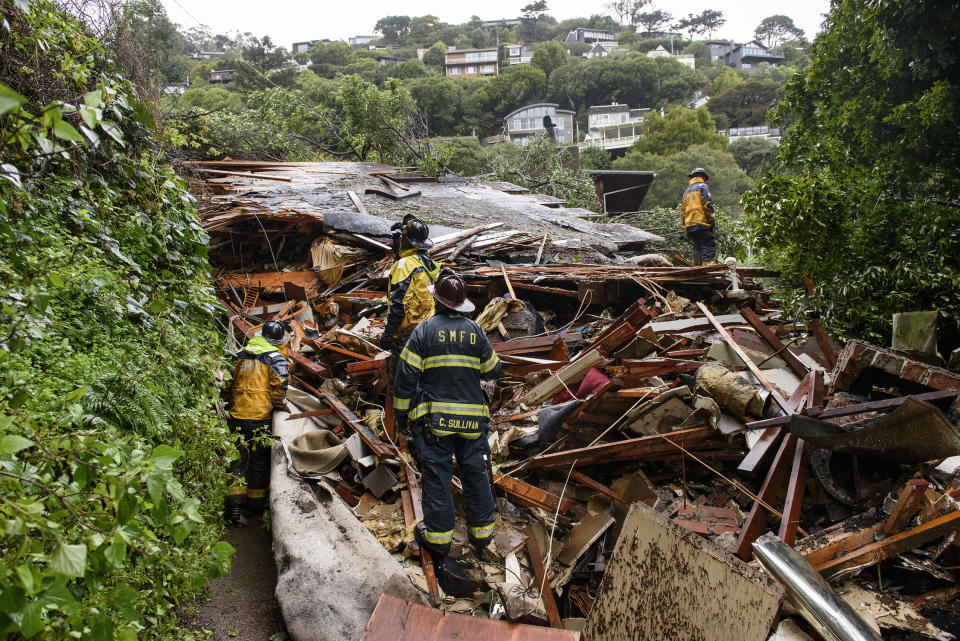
439, 374
259, 383
408, 301
696, 208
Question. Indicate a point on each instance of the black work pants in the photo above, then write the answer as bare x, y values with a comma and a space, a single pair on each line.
703, 243
436, 469
250, 473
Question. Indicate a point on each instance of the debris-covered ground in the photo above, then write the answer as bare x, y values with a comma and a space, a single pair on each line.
651, 423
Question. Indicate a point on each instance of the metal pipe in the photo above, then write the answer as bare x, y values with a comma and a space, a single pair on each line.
820, 605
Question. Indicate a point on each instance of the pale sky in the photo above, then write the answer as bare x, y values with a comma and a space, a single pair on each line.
289, 21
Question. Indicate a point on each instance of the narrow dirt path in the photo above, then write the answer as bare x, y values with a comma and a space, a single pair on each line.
243, 605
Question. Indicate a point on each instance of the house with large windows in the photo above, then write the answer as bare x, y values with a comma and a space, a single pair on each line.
470, 63
518, 54
613, 126
742, 56
526, 122
584, 34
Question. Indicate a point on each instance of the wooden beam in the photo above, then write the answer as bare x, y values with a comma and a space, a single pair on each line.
908, 503
761, 451
336, 348
540, 573
816, 327
799, 473
743, 356
426, 560
506, 279
643, 448
535, 345
244, 174
530, 495
357, 202
586, 481
892, 545
303, 278
773, 341
757, 519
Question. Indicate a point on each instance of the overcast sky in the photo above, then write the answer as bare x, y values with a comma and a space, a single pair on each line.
289, 21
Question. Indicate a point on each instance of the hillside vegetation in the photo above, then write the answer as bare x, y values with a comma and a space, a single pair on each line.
110, 444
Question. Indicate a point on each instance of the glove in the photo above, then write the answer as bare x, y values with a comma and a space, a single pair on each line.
386, 340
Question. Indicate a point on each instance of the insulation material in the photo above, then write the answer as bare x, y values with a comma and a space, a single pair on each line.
329, 259
492, 315
730, 391
887, 612
665, 582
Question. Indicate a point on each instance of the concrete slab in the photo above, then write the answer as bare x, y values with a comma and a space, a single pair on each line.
331, 570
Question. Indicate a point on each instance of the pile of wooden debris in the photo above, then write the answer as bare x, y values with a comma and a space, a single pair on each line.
641, 441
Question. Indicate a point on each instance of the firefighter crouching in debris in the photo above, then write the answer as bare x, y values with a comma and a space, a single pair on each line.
696, 209
258, 387
409, 303
439, 404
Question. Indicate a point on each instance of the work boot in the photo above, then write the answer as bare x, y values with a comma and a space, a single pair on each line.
420, 534
234, 515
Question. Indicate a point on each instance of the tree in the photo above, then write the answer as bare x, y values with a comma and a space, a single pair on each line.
338, 54
595, 158
259, 57
704, 23
754, 155
435, 57
678, 129
747, 104
423, 29
864, 201
727, 181
394, 29
438, 99
776, 29
533, 12
725, 80
653, 21
549, 56
627, 10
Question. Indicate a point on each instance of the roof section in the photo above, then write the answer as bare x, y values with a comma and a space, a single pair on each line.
555, 106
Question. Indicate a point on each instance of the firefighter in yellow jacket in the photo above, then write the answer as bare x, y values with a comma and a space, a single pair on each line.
696, 210
409, 302
258, 387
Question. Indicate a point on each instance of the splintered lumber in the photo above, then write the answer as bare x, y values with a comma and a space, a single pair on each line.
569, 293
893, 545
305, 278
543, 585
530, 495
366, 368
649, 448
322, 412
859, 408
761, 451
743, 356
338, 349
398, 620
771, 339
817, 328
244, 174
908, 503
458, 238
426, 560
372, 441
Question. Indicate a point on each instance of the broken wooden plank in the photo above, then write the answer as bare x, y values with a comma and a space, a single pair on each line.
859, 408
426, 560
515, 417
357, 202
643, 448
584, 534
372, 441
761, 451
893, 545
743, 356
796, 487
244, 174
774, 342
821, 336
458, 238
336, 348
569, 375
543, 585
298, 358
536, 345
530, 495
586, 481
303, 278
909, 502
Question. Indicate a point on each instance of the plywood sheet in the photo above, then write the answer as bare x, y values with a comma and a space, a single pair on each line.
664, 582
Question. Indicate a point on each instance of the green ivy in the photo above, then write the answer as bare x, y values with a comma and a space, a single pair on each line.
111, 441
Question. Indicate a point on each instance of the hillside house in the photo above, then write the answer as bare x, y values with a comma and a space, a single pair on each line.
583, 34
526, 122
661, 52
518, 54
742, 56
470, 63
613, 126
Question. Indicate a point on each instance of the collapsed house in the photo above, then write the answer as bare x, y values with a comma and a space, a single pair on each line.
664, 467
